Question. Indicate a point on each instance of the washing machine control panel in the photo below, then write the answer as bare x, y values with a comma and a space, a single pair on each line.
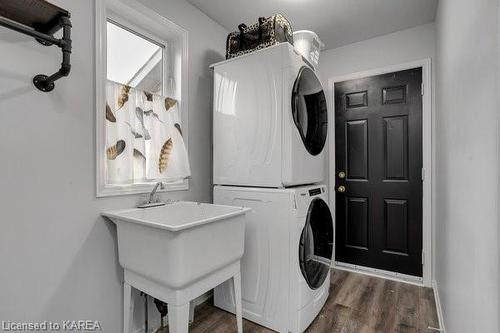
303, 198
315, 191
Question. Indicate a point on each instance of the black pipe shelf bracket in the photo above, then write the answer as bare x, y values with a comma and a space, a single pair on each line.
41, 20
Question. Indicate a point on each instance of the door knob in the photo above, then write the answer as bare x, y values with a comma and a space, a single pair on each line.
341, 174
341, 189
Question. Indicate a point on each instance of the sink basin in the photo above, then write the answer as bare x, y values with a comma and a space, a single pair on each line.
180, 243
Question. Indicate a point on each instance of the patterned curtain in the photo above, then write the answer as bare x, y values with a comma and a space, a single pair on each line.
143, 137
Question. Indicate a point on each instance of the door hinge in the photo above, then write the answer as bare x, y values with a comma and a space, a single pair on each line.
422, 89
423, 258
423, 174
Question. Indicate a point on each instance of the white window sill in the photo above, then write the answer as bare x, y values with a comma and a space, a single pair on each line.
119, 190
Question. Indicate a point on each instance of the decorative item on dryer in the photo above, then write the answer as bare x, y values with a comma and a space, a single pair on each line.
266, 32
308, 44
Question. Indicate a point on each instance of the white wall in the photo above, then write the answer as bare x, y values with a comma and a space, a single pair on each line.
467, 267
393, 49
58, 258
498, 152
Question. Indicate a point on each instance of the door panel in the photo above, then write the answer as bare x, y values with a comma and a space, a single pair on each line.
356, 99
357, 223
396, 148
356, 149
394, 95
378, 145
396, 226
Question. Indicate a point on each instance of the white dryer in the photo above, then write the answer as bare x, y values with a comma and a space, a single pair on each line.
288, 249
270, 120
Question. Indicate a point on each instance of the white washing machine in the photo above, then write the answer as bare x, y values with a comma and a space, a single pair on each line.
270, 120
288, 250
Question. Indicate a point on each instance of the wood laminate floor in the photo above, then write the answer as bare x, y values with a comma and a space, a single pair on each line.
357, 304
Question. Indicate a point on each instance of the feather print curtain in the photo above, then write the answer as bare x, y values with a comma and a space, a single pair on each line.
143, 137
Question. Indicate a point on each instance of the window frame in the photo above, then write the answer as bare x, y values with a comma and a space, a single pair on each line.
138, 19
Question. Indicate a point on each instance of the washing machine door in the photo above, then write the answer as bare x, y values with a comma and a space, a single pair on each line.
309, 110
316, 244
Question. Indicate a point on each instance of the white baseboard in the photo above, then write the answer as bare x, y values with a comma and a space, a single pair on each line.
439, 309
398, 277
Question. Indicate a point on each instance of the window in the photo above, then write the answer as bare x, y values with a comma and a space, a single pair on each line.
141, 83
134, 60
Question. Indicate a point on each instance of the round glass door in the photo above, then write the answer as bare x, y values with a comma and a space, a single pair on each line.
309, 110
316, 244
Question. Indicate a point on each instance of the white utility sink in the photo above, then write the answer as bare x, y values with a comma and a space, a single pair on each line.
179, 251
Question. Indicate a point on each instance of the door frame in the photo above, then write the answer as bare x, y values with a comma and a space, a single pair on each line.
427, 172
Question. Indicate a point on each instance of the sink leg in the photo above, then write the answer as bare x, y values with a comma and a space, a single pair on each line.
178, 318
127, 309
237, 301
191, 312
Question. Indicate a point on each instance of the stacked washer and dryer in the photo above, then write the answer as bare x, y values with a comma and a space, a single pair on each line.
269, 129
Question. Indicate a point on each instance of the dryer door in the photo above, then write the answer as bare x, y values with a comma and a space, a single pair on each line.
316, 244
309, 110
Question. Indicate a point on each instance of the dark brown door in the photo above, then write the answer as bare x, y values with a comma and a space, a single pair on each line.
378, 156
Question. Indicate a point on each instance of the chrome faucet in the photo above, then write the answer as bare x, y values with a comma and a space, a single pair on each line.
152, 202
153, 192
